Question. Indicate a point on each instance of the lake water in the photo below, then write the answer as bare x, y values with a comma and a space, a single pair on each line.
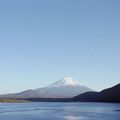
59, 111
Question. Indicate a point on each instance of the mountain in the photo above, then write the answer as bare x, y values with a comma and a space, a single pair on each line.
108, 95
66, 87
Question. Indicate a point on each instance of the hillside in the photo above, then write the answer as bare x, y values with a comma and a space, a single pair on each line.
108, 95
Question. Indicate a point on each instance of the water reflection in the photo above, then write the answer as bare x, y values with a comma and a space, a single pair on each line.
71, 117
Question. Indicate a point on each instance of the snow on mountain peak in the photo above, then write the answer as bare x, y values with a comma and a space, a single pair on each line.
65, 81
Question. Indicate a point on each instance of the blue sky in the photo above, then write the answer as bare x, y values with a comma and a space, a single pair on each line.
44, 40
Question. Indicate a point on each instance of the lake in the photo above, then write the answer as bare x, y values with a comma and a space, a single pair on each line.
59, 111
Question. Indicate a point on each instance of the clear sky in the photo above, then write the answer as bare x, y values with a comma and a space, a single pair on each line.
44, 40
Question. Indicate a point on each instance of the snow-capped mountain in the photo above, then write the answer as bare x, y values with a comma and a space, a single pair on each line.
66, 87
65, 81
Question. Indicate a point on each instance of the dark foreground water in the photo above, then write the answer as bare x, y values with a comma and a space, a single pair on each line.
59, 111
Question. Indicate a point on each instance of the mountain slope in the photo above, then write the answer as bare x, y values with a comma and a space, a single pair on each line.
108, 95
63, 88
24, 94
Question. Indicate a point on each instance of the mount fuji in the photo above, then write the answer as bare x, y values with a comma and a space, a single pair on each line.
66, 87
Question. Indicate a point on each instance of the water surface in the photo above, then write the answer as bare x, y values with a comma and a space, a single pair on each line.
59, 111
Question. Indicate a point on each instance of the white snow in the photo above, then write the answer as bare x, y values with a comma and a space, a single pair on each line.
65, 81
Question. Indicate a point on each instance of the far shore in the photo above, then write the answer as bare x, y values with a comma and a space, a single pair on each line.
12, 101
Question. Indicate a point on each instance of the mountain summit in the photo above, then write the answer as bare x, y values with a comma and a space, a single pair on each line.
65, 81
